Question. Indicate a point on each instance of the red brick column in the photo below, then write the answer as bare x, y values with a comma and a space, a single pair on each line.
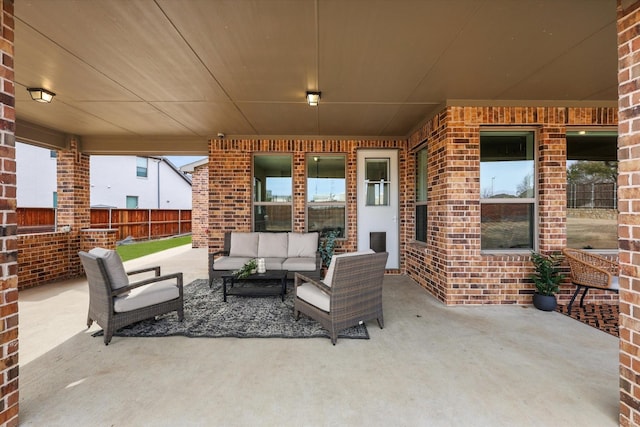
74, 208
552, 186
8, 241
200, 207
629, 206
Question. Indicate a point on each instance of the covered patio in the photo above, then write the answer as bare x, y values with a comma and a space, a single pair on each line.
430, 365
428, 84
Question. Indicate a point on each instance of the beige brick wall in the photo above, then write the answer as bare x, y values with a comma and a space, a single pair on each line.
8, 242
629, 206
451, 265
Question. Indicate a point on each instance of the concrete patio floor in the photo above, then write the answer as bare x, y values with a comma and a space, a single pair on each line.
430, 366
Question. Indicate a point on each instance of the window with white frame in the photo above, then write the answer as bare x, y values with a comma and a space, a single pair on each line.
272, 192
142, 166
592, 176
326, 194
507, 190
421, 195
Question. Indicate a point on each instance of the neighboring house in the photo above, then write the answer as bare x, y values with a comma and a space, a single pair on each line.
116, 181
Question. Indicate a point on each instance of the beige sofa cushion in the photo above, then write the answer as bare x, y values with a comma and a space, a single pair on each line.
302, 245
113, 264
329, 276
300, 264
274, 263
244, 244
273, 245
230, 263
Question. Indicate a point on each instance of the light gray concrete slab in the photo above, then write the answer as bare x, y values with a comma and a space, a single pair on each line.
431, 365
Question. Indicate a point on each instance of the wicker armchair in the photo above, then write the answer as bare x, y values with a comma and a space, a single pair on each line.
588, 271
350, 293
115, 303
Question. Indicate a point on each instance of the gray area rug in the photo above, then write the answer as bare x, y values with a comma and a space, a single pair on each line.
206, 315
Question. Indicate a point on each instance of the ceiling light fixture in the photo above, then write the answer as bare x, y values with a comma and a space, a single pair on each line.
39, 94
313, 98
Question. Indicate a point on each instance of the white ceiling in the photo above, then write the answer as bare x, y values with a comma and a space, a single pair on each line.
166, 75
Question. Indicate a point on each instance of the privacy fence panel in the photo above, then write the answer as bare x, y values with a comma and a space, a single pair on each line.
139, 224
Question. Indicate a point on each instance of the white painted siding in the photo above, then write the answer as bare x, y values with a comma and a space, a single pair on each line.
113, 178
36, 176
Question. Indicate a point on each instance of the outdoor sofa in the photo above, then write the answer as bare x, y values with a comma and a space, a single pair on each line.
294, 252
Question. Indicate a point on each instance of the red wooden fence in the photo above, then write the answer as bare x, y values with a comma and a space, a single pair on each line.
140, 224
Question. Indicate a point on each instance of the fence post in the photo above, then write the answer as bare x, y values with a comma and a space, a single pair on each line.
149, 223
179, 221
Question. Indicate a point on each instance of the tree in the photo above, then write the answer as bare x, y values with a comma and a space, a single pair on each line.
592, 172
525, 188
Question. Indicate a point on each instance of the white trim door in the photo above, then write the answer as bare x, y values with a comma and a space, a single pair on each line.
378, 201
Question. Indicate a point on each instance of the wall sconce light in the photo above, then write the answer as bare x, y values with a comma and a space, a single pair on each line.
313, 98
39, 94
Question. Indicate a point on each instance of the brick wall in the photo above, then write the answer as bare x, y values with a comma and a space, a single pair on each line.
42, 258
199, 206
8, 243
73, 198
629, 206
230, 182
451, 265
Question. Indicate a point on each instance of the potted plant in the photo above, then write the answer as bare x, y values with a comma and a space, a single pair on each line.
547, 278
249, 268
326, 247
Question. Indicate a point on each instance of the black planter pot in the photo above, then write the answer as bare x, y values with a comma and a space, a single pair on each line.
545, 302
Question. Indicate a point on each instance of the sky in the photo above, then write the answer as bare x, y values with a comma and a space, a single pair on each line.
183, 160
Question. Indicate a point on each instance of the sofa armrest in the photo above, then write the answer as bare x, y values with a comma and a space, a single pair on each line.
301, 278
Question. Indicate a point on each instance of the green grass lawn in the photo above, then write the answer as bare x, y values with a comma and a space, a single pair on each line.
136, 250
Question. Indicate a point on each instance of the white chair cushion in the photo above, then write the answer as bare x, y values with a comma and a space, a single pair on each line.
300, 264
328, 278
230, 263
145, 296
273, 245
244, 244
314, 296
113, 264
302, 245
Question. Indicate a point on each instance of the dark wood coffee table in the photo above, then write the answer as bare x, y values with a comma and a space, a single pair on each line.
255, 285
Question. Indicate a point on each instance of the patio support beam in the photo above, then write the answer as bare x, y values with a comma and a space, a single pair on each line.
8, 240
629, 214
74, 208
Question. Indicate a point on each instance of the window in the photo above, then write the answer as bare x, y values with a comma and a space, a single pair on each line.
141, 166
592, 174
377, 181
507, 190
55, 199
272, 192
53, 154
132, 202
421, 195
326, 194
